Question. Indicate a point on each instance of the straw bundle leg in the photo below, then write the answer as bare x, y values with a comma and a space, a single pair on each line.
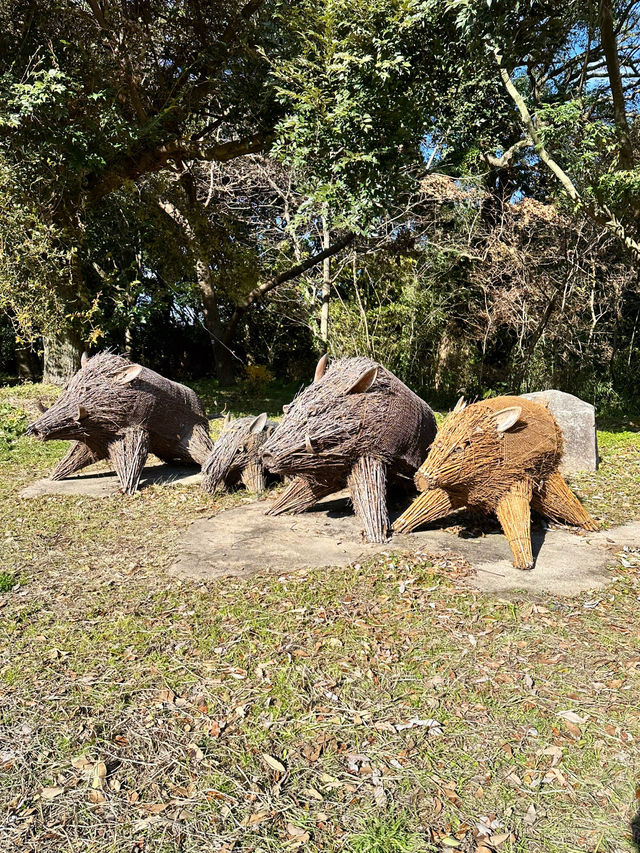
301, 494
556, 501
428, 506
78, 456
368, 487
253, 477
514, 515
128, 454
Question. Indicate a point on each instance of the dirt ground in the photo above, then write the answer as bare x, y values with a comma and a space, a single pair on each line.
243, 541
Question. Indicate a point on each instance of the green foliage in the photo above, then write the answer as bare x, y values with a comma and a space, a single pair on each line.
7, 581
388, 834
12, 425
357, 101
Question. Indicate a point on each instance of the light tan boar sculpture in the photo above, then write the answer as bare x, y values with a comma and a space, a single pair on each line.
499, 455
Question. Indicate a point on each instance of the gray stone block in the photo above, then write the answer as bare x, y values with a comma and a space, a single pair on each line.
577, 420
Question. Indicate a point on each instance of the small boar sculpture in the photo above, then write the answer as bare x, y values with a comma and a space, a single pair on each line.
499, 455
357, 425
236, 455
113, 409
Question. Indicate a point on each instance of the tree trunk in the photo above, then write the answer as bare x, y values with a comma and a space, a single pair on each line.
26, 363
62, 352
610, 47
326, 286
223, 359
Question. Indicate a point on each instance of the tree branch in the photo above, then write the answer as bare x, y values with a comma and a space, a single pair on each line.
610, 48
130, 167
504, 161
598, 213
275, 281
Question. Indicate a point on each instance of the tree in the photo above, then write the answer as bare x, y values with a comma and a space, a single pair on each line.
96, 95
572, 82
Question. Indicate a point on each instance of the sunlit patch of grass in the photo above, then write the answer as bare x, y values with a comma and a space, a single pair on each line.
389, 834
181, 689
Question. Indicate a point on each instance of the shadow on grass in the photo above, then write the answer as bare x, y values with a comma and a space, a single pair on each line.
615, 423
635, 830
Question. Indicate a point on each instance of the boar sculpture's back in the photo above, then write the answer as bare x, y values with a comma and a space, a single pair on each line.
113, 409
499, 455
357, 425
235, 456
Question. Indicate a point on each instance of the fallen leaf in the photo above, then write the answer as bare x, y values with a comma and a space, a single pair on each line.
195, 753
571, 717
273, 763
99, 774
50, 793
81, 762
96, 797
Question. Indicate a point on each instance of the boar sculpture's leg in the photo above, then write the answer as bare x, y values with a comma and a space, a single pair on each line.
368, 487
514, 515
253, 477
301, 494
128, 454
557, 502
78, 456
428, 506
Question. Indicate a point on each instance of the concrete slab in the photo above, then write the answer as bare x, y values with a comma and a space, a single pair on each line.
243, 541
100, 484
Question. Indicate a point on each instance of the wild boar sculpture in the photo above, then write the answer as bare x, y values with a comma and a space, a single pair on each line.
357, 425
235, 456
113, 409
499, 455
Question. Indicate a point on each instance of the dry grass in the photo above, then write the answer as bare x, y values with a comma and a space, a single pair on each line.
374, 709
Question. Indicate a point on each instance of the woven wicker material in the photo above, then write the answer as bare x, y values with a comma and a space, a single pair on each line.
514, 515
499, 455
302, 493
119, 411
236, 455
78, 456
556, 501
355, 410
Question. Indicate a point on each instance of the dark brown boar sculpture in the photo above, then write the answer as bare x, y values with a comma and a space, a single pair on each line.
235, 456
357, 425
499, 455
113, 409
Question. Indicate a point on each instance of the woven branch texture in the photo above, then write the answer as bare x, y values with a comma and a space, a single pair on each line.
235, 457
499, 455
354, 410
112, 409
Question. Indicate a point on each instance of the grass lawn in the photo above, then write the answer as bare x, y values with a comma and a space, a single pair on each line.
378, 709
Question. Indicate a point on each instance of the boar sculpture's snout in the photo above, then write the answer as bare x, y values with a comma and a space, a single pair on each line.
268, 459
425, 482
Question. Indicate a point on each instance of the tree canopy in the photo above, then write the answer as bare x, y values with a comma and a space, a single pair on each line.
221, 169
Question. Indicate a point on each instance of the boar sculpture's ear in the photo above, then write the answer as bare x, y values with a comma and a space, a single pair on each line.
226, 421
506, 418
364, 382
84, 358
129, 374
82, 413
258, 424
321, 366
459, 406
